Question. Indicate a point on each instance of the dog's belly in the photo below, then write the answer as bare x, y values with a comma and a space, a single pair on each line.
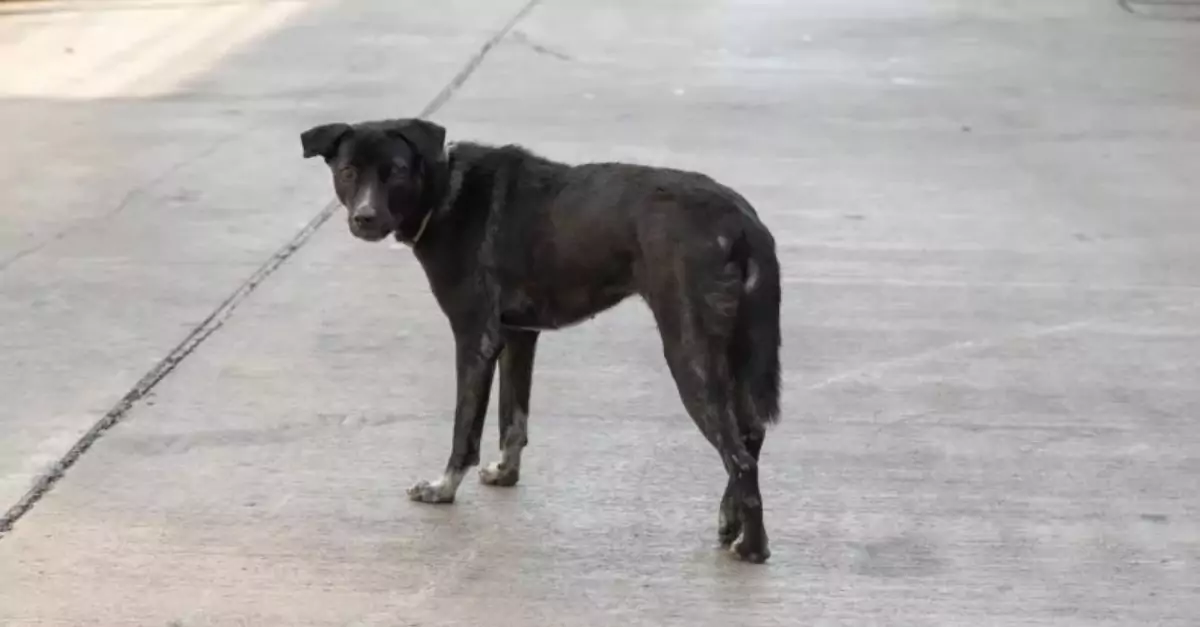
547, 311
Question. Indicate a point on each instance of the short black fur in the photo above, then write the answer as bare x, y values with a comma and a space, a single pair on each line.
514, 244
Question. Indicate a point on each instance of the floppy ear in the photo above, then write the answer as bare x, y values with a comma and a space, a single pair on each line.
323, 140
425, 137
428, 141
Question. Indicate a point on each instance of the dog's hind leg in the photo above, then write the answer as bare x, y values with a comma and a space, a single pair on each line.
740, 451
729, 523
706, 388
516, 380
696, 334
754, 356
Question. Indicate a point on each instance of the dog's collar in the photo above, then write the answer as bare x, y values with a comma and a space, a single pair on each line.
436, 208
420, 231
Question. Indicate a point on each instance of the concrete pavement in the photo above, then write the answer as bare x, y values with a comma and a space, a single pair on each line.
130, 218
986, 218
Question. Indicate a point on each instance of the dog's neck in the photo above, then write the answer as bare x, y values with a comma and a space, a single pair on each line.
421, 231
442, 199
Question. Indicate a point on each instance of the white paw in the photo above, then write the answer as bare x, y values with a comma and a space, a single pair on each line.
440, 491
496, 474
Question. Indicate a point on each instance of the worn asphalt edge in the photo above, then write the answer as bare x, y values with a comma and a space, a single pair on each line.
219, 316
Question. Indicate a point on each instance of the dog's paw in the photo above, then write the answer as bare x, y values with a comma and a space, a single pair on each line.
494, 474
426, 492
729, 527
753, 554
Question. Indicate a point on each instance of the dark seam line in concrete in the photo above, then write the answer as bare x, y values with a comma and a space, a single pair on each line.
524, 40
224, 311
1132, 7
1161, 3
467, 70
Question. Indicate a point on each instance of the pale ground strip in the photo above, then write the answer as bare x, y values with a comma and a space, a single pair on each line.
125, 49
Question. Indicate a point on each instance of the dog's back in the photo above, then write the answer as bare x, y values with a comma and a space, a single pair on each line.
577, 239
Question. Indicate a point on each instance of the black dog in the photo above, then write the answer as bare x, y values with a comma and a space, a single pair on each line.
514, 244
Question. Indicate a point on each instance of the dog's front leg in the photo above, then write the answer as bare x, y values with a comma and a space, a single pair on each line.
516, 379
475, 365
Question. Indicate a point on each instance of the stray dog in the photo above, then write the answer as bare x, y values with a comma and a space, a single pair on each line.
514, 244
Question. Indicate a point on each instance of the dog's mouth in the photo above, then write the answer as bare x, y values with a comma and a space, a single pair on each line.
371, 235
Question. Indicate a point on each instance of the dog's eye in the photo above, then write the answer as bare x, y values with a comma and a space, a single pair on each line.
346, 174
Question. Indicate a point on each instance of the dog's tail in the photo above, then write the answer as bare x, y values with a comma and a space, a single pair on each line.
754, 352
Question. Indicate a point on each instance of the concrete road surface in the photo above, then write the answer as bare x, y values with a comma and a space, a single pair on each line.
987, 215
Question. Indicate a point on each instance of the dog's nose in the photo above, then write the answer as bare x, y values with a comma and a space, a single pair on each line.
364, 221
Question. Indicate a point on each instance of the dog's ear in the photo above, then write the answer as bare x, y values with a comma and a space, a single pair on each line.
425, 137
323, 140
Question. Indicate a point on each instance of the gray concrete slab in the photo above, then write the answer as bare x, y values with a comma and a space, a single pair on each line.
986, 217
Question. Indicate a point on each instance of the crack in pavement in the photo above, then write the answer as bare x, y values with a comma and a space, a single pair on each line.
219, 316
523, 39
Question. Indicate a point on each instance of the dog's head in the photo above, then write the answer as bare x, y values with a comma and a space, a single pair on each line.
388, 174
